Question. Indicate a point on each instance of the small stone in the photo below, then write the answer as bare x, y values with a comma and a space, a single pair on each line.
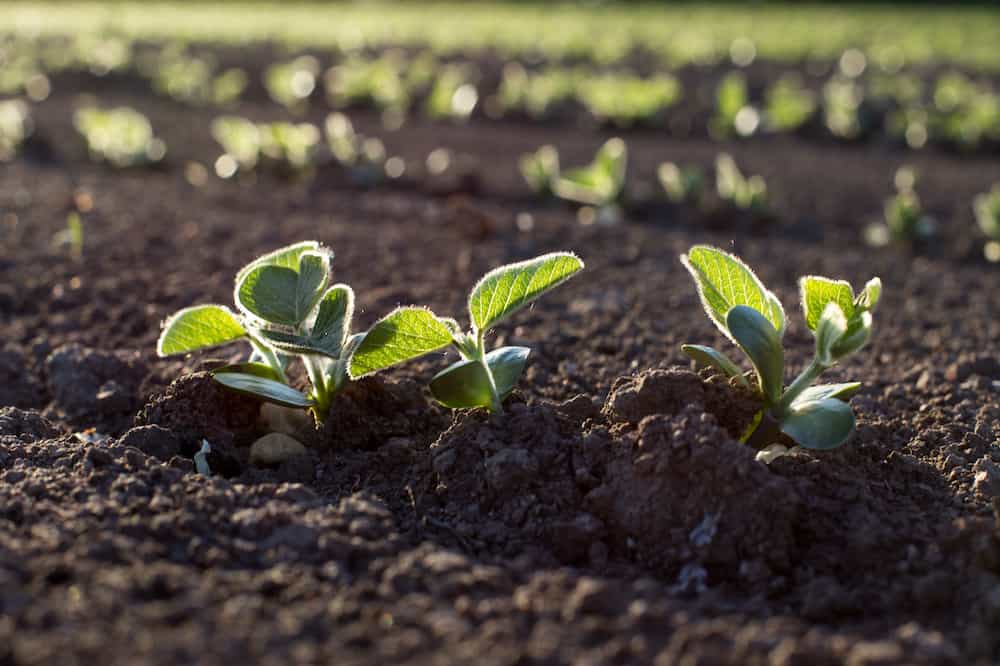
987, 477
274, 449
285, 420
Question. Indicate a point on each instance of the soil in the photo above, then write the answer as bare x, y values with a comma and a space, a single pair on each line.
610, 516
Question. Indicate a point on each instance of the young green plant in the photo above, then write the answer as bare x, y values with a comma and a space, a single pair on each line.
987, 209
816, 416
600, 184
682, 184
286, 308
904, 218
480, 378
540, 169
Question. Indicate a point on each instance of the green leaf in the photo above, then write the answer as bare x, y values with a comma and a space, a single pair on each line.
281, 295
870, 295
333, 319
830, 329
817, 291
760, 341
466, 384
507, 289
724, 282
269, 293
402, 335
601, 182
199, 327
286, 257
819, 424
263, 388
823, 391
708, 357
859, 331
249, 368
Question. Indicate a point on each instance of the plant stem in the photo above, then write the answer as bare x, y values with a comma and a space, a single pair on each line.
321, 394
272, 358
801, 383
497, 406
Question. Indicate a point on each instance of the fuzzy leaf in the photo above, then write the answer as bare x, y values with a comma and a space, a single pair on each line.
817, 291
465, 384
708, 357
403, 334
760, 341
504, 290
830, 329
333, 319
819, 424
285, 257
199, 327
724, 282
281, 295
263, 388
858, 333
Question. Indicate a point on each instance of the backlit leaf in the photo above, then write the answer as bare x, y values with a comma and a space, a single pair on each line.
830, 329
199, 327
819, 424
403, 334
817, 291
505, 290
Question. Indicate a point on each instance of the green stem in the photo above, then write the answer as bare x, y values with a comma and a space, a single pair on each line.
801, 383
497, 406
270, 357
321, 393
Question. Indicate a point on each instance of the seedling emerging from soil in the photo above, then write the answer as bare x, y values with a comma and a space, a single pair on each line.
363, 156
733, 112
286, 308
240, 139
480, 379
987, 208
745, 194
541, 169
600, 184
817, 417
905, 220
682, 184
121, 137
789, 105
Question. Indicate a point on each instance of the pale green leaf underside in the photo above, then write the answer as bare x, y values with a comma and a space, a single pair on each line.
199, 327
263, 388
708, 357
817, 291
505, 290
724, 282
465, 384
830, 329
819, 424
403, 334
760, 341
823, 391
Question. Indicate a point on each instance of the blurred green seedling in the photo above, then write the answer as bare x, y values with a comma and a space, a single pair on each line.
291, 83
733, 112
540, 170
480, 378
904, 219
364, 157
625, 100
285, 308
121, 137
600, 184
788, 104
987, 209
683, 185
744, 193
816, 416
15, 126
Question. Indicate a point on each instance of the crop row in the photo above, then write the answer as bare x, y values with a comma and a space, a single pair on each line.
856, 101
288, 310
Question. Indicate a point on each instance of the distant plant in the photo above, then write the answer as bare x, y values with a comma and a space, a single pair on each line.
600, 184
842, 99
815, 416
539, 93
788, 105
683, 185
733, 111
240, 139
72, 236
480, 378
193, 80
987, 209
745, 194
453, 94
286, 309
541, 169
122, 137
904, 220
389, 82
291, 83
15, 127
363, 156
625, 99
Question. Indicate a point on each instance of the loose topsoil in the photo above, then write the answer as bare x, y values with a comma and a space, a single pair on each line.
609, 517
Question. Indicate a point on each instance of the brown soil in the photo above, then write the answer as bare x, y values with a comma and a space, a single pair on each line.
609, 517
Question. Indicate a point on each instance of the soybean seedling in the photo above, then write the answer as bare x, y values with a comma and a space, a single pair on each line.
121, 137
15, 127
904, 218
541, 169
286, 308
815, 416
987, 209
682, 184
480, 378
745, 194
600, 184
